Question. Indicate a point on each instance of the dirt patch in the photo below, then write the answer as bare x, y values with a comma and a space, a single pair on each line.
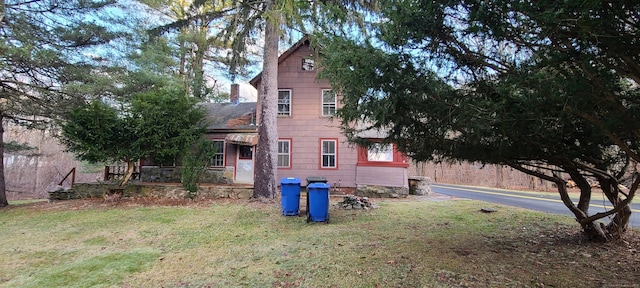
547, 253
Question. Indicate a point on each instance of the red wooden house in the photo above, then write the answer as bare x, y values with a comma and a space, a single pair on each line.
231, 128
311, 144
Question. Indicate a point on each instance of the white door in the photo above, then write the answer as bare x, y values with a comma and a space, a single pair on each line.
244, 165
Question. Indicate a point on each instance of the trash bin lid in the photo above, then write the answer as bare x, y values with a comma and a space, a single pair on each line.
290, 180
314, 179
318, 185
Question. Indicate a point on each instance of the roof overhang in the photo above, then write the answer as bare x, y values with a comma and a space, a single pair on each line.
249, 139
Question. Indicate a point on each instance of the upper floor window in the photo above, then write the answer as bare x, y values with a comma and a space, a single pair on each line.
284, 102
329, 102
308, 64
218, 156
284, 153
329, 153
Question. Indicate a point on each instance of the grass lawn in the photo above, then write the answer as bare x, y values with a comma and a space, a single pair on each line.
234, 243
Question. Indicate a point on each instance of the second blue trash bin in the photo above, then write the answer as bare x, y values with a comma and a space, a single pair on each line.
290, 196
318, 197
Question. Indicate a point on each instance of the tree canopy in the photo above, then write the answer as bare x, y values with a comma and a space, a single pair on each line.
242, 24
44, 45
161, 124
549, 88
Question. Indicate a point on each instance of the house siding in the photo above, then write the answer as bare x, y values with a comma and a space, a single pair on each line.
306, 127
383, 176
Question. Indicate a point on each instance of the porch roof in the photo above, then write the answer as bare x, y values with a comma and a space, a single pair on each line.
250, 139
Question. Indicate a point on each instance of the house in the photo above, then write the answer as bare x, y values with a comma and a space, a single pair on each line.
310, 143
231, 127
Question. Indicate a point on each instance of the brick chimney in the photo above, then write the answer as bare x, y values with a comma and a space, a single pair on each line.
234, 98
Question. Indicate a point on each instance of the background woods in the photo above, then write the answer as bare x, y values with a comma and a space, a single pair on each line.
30, 173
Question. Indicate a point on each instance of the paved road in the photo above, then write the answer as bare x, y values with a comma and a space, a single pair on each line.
545, 202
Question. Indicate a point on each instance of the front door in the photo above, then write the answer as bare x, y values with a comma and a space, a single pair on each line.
244, 164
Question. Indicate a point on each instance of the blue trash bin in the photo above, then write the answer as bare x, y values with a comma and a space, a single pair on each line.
290, 196
311, 180
318, 198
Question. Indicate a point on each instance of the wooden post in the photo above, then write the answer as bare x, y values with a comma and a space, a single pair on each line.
73, 176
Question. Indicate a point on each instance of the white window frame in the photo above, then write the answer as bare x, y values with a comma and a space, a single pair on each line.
329, 105
380, 153
218, 157
286, 154
281, 102
308, 64
328, 154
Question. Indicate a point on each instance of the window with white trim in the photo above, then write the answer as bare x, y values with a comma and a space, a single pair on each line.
329, 154
380, 153
218, 157
284, 153
329, 102
284, 102
245, 152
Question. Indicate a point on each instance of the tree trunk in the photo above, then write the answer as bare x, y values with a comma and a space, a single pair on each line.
265, 183
183, 63
2, 11
594, 231
620, 223
3, 194
591, 230
127, 176
499, 177
585, 190
597, 231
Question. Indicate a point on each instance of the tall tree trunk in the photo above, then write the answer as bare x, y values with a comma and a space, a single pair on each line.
265, 183
2, 11
3, 194
199, 86
3, 187
182, 70
198, 82
499, 177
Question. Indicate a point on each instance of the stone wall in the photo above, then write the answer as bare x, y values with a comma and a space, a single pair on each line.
174, 175
100, 190
372, 191
419, 185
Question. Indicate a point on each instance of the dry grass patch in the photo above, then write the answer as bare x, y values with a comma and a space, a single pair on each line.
146, 243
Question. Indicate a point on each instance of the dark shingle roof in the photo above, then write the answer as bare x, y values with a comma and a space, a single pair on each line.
227, 116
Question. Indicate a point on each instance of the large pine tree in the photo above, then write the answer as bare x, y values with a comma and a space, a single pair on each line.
549, 88
44, 45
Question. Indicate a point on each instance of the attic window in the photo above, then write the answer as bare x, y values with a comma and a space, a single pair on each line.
307, 64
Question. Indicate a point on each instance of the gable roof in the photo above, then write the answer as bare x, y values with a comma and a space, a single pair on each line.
230, 117
302, 42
